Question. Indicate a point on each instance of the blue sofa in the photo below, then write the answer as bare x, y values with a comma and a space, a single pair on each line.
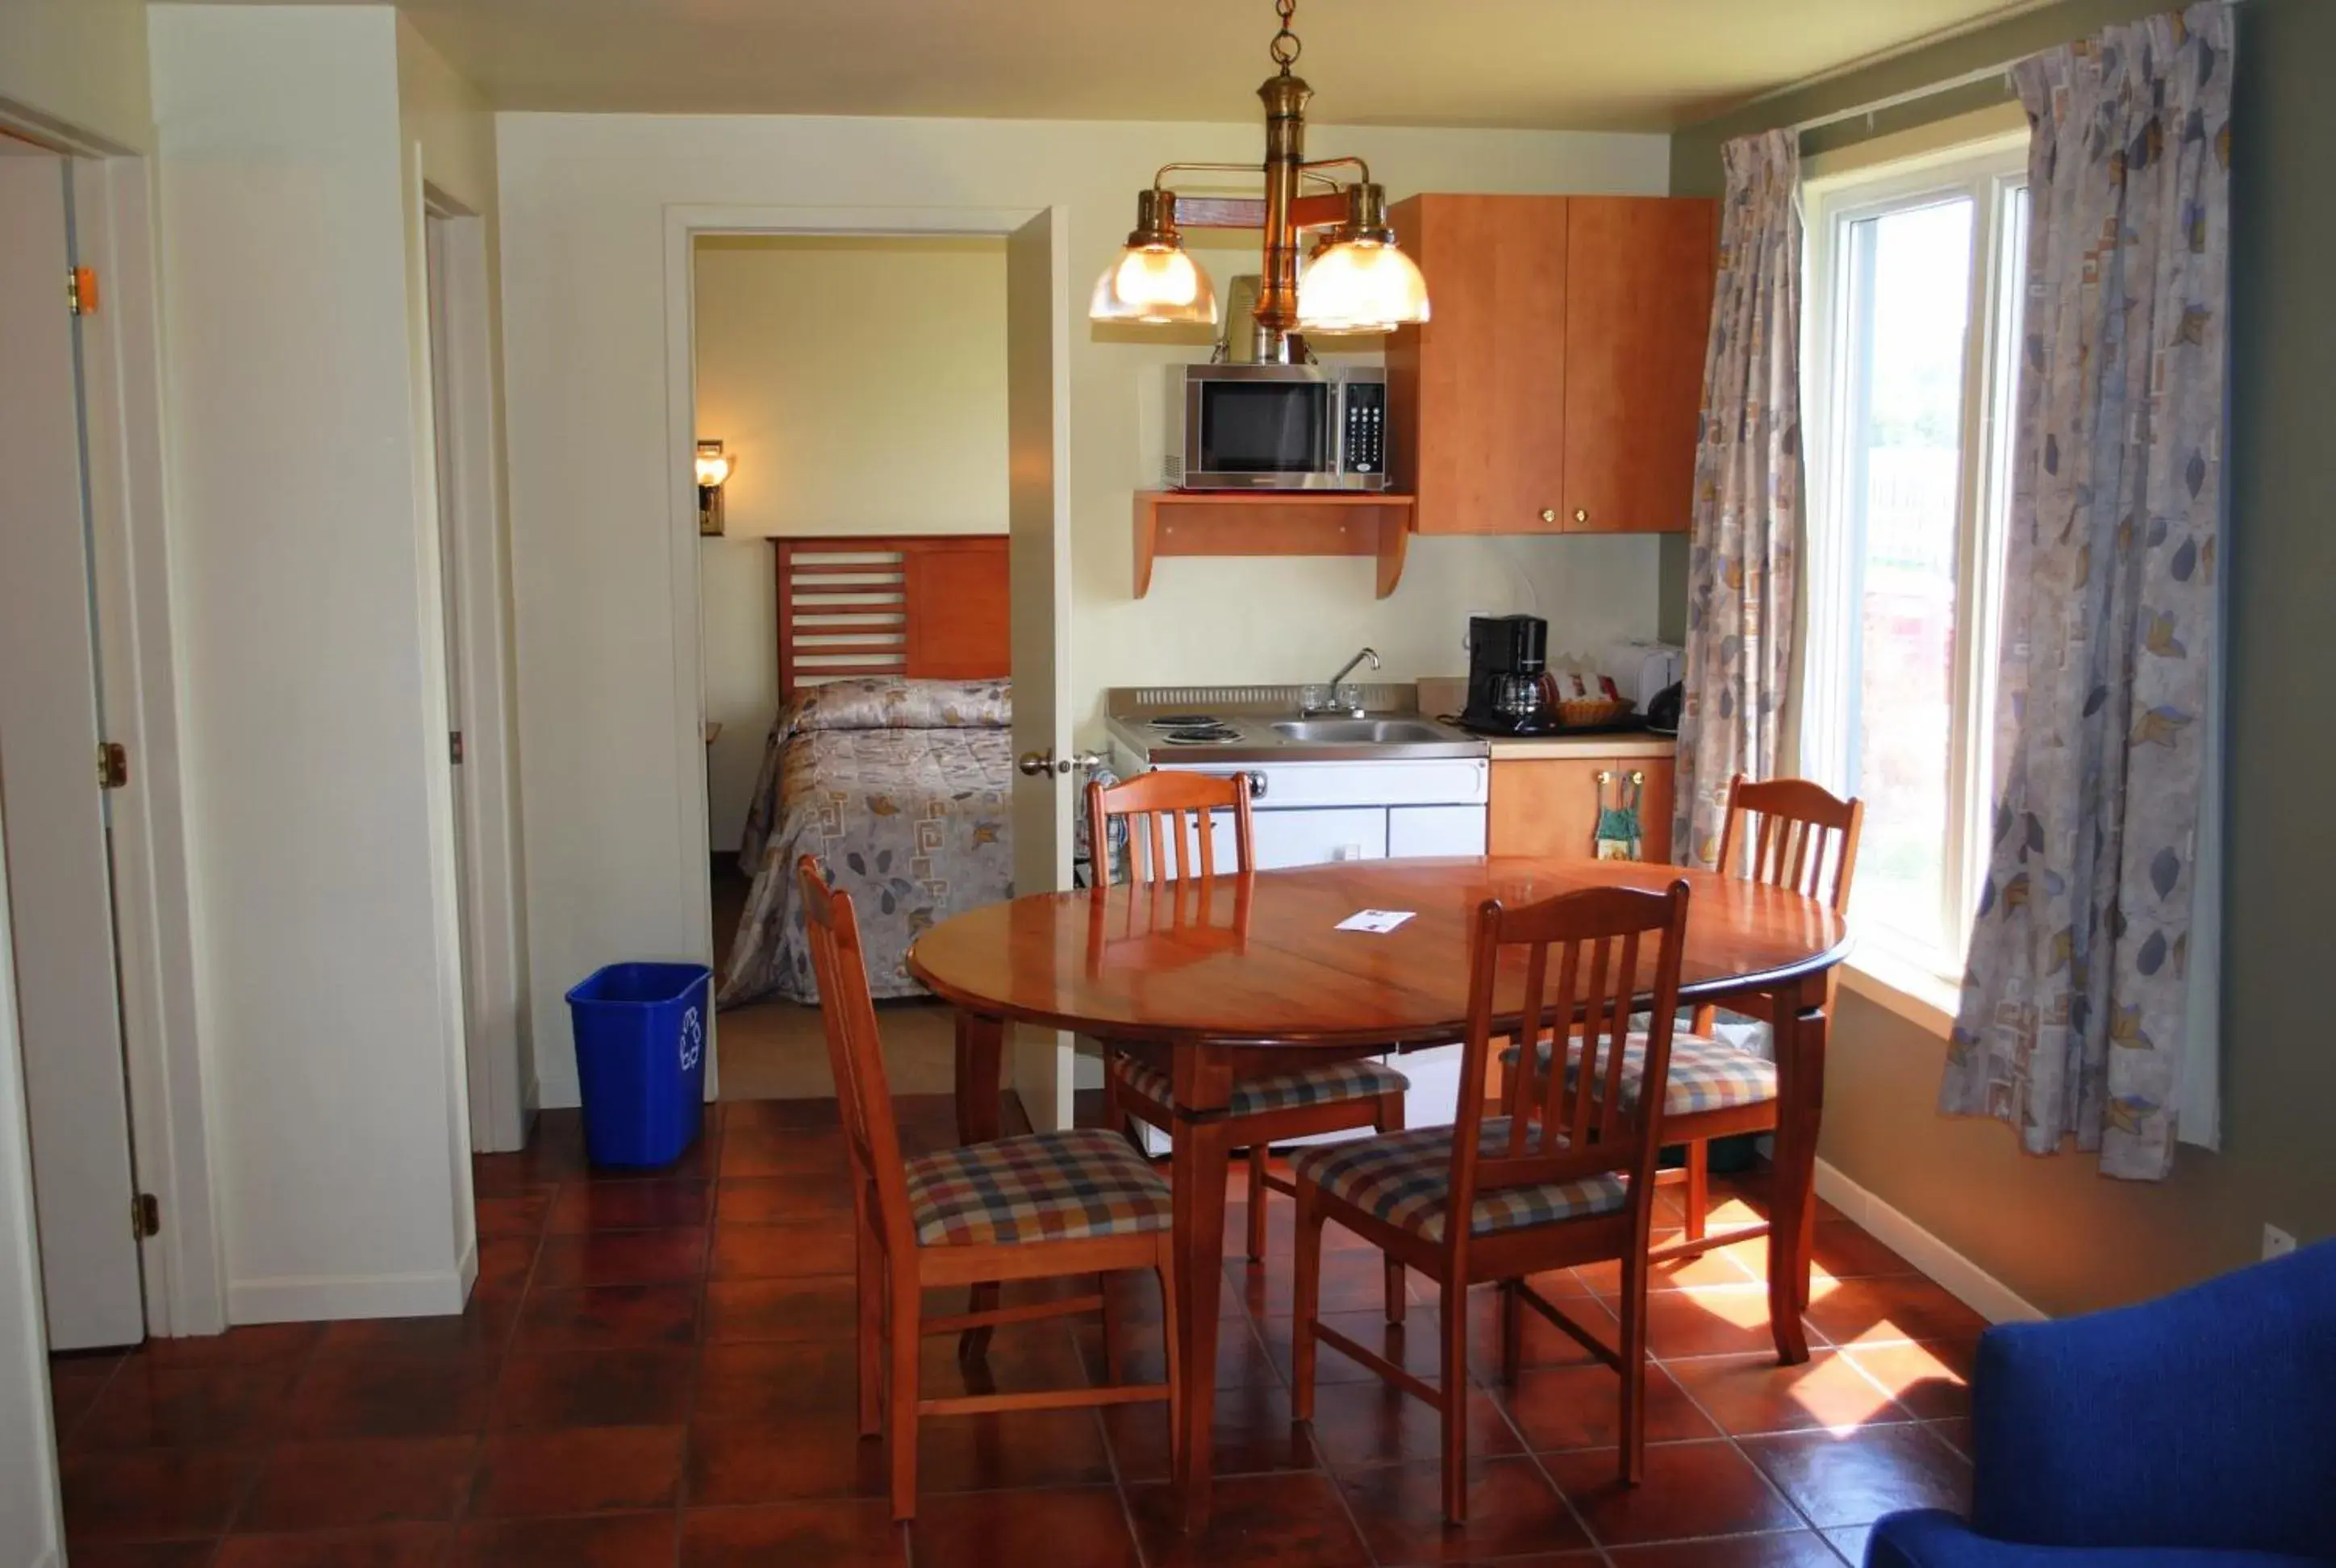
2199, 1431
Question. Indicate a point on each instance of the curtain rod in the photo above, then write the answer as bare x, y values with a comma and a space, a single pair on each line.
1911, 95
1931, 89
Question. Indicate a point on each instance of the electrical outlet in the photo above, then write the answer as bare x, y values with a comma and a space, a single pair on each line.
1465, 645
2277, 1244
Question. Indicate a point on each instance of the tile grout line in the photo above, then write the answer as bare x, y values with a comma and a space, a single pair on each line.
1540, 1462
681, 1489
1321, 1454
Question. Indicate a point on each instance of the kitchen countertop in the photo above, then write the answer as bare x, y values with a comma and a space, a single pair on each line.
1630, 744
1407, 737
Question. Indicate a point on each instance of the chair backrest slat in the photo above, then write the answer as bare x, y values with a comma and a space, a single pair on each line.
1625, 992
1161, 807
856, 1051
1805, 839
1563, 1125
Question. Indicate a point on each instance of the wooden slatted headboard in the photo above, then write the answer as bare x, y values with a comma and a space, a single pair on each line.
931, 606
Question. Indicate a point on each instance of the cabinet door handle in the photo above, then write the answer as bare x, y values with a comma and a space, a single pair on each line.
1549, 514
1582, 514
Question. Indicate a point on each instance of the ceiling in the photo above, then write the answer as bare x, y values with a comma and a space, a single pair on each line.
1572, 64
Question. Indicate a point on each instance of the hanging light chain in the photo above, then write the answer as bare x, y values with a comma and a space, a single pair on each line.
1285, 47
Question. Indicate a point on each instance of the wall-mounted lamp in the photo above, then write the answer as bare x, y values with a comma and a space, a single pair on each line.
712, 472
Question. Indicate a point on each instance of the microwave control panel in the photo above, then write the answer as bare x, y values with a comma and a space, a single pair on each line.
1366, 415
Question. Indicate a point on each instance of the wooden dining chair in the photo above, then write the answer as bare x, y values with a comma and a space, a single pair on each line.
1041, 1207
1804, 840
1170, 818
1564, 1175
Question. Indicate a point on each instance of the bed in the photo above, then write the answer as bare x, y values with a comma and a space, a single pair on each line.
891, 759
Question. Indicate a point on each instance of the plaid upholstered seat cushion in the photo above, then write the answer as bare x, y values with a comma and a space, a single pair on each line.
1405, 1178
1044, 1187
1705, 1074
1283, 1091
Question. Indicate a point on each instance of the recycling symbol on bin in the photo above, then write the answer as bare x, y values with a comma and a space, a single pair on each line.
693, 1039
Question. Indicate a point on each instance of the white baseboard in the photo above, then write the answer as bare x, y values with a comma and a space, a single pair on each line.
313, 1298
1977, 1289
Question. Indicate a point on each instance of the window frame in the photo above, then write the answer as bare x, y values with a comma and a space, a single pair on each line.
1990, 172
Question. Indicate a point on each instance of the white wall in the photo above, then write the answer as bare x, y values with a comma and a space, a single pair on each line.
860, 385
79, 65
29, 1527
307, 586
738, 595
612, 841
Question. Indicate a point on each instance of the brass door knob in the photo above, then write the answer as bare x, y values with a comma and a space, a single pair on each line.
1582, 514
1549, 514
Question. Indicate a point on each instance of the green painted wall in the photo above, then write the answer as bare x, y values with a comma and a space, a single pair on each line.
2055, 1231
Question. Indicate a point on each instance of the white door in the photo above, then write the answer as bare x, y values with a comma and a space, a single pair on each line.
60, 885
450, 586
1037, 418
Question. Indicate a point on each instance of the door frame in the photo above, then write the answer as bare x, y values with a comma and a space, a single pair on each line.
458, 288
683, 225
154, 941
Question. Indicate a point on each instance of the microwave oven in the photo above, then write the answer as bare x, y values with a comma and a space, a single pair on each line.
1276, 428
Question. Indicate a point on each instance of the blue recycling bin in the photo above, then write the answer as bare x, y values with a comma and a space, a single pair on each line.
640, 1060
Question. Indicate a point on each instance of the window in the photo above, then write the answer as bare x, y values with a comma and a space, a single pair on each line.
1914, 326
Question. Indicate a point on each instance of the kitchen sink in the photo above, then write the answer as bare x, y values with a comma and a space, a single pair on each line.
1362, 732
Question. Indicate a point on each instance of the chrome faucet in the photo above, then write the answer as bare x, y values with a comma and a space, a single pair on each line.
1335, 703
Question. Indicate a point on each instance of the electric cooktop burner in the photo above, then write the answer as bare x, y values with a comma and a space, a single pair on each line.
1202, 732
1185, 721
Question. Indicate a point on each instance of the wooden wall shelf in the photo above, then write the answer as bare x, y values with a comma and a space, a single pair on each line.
1272, 522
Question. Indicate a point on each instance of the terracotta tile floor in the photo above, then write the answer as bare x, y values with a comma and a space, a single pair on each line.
656, 1369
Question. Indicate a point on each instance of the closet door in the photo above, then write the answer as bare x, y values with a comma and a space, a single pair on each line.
59, 876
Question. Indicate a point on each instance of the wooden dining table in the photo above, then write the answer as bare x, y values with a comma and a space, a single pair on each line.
1219, 979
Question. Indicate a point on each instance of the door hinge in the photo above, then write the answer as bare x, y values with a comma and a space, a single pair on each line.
81, 291
454, 746
112, 765
145, 1216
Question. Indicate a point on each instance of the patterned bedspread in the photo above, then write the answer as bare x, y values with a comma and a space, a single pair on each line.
901, 789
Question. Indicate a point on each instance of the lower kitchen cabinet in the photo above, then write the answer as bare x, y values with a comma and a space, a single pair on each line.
1310, 838
1549, 806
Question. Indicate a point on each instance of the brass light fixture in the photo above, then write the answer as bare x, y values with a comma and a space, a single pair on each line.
1359, 281
712, 472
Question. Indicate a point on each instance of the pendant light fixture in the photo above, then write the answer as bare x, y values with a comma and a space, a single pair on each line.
1154, 281
1359, 281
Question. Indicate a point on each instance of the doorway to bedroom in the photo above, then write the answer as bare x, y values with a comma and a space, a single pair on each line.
851, 434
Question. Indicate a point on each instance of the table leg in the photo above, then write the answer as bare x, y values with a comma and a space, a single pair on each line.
981, 1050
1801, 1024
980, 1047
1197, 1176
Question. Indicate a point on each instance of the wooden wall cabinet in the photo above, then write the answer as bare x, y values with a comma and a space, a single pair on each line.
1556, 389
1549, 806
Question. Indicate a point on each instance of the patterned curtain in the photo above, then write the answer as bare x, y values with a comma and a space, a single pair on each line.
1747, 495
2074, 1000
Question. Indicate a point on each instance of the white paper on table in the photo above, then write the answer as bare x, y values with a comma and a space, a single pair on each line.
1376, 920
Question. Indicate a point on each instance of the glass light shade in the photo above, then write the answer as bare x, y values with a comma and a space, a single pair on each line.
1153, 284
1360, 285
713, 469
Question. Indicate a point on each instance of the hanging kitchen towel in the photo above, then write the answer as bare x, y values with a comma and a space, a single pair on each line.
1619, 837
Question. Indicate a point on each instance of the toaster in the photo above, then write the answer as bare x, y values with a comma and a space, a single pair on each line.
1641, 668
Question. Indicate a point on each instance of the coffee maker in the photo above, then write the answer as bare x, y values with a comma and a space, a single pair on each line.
1507, 655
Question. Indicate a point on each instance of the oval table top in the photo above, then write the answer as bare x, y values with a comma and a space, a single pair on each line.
1256, 957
